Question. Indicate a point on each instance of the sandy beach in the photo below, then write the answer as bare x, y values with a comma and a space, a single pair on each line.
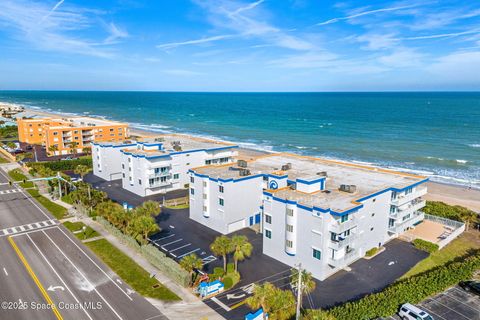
451, 194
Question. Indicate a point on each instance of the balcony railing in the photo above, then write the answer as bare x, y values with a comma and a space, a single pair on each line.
159, 183
400, 226
339, 244
339, 227
158, 175
399, 200
415, 205
343, 261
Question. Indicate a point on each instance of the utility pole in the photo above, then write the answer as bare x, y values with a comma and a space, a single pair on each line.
299, 291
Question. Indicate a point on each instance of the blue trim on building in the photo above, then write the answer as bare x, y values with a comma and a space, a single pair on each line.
177, 153
309, 182
277, 176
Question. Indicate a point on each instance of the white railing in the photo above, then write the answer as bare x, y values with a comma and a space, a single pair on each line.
343, 261
339, 227
343, 243
453, 229
401, 226
399, 200
414, 205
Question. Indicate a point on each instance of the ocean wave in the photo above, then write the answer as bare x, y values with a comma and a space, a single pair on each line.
461, 161
474, 145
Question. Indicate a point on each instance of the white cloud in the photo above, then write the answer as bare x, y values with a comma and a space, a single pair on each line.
377, 41
402, 58
52, 29
173, 45
115, 34
249, 21
458, 67
365, 13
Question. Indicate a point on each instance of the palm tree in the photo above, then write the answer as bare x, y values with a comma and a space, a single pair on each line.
241, 249
141, 227
53, 148
469, 217
308, 283
262, 297
222, 246
82, 170
151, 208
87, 150
73, 147
190, 263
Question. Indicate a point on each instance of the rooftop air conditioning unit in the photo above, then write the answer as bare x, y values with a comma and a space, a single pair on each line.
177, 147
244, 172
287, 166
242, 163
322, 173
350, 188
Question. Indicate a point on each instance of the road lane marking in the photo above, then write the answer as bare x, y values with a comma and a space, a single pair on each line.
84, 277
5, 270
26, 227
221, 304
35, 279
92, 261
27, 196
58, 276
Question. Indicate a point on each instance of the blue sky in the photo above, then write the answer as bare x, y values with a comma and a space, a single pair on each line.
264, 45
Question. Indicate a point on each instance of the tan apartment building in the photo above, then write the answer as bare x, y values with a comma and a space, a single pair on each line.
62, 136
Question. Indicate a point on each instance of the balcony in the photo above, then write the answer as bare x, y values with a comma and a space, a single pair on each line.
402, 199
339, 244
344, 261
399, 227
339, 227
414, 205
159, 183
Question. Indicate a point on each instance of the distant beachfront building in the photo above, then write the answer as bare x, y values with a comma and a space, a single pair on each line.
324, 214
152, 167
62, 136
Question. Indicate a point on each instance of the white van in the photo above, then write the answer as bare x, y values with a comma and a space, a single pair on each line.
410, 312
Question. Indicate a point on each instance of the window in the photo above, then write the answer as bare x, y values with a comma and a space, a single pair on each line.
344, 218
373, 214
371, 229
316, 254
123, 165
192, 191
192, 179
123, 175
205, 196
289, 243
268, 234
140, 181
290, 212
111, 129
208, 162
55, 133
176, 176
204, 183
268, 219
289, 228
221, 201
220, 189
204, 208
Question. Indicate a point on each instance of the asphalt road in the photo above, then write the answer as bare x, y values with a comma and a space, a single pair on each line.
43, 265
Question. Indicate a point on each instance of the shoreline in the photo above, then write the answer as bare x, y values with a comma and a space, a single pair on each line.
454, 194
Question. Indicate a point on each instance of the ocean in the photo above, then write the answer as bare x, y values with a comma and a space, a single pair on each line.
435, 134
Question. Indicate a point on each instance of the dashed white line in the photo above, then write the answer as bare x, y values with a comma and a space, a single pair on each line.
5, 270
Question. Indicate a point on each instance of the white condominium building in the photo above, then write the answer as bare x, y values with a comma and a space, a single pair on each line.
324, 214
148, 168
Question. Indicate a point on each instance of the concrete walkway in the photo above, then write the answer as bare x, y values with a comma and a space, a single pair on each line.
191, 307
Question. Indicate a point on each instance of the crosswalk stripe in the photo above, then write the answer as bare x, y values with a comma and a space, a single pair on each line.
27, 227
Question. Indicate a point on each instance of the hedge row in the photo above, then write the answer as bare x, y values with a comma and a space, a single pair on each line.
157, 258
424, 245
413, 290
62, 165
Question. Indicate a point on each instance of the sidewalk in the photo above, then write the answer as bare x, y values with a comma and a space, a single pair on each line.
191, 307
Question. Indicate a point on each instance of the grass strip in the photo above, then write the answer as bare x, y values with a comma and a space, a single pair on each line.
130, 271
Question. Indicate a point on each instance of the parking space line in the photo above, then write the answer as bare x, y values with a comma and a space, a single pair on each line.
167, 244
432, 312
162, 238
208, 259
186, 254
453, 298
184, 246
462, 315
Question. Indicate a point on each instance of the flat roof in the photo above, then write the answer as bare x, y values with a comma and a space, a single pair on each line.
76, 121
187, 143
368, 180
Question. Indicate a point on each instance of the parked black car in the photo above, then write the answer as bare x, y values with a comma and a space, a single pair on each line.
471, 286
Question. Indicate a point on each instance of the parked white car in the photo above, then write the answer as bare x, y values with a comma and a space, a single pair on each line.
410, 312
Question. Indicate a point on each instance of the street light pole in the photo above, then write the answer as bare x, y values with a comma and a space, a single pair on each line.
299, 291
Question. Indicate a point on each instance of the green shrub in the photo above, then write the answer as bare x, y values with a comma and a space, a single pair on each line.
444, 210
371, 252
227, 282
217, 273
61, 165
67, 198
424, 245
413, 290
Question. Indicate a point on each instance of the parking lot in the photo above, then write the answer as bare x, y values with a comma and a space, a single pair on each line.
452, 304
